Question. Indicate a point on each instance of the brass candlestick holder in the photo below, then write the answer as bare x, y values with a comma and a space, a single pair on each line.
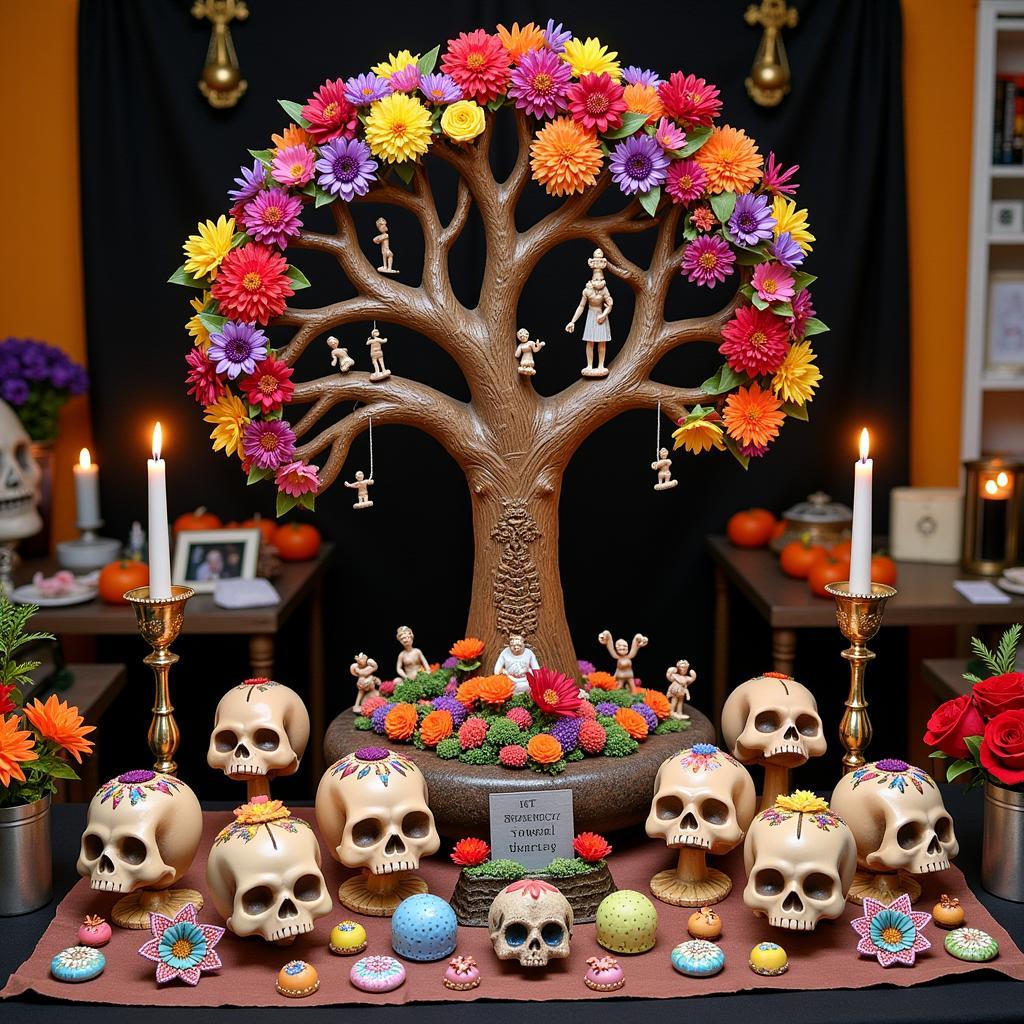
859, 617
159, 620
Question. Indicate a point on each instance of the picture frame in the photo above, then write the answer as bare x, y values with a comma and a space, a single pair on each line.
204, 557
1004, 351
1007, 217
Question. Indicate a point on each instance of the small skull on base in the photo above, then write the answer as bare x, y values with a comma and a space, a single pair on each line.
530, 921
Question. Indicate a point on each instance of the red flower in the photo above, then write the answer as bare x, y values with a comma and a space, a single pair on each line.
689, 99
1002, 749
999, 693
513, 755
554, 692
202, 379
591, 847
252, 284
329, 114
596, 102
532, 887
950, 723
756, 341
479, 65
6, 704
269, 386
472, 733
467, 853
592, 737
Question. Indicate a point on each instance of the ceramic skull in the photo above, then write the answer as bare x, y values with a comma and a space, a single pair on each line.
264, 873
703, 798
142, 832
800, 858
772, 718
260, 728
371, 806
530, 921
897, 817
19, 480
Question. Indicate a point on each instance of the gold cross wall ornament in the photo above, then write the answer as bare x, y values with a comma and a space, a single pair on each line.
769, 78
222, 83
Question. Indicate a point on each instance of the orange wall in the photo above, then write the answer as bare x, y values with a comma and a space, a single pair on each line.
41, 258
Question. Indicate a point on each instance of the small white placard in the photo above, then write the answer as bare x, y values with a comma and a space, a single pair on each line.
532, 828
980, 592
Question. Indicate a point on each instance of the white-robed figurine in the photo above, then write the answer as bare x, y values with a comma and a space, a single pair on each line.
597, 301
515, 661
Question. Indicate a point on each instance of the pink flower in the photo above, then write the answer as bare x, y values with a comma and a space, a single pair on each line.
707, 260
268, 443
776, 179
755, 341
686, 181
204, 384
330, 114
296, 479
269, 386
669, 136
596, 102
773, 282
293, 166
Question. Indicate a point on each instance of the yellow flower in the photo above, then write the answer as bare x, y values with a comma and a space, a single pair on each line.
797, 377
293, 135
463, 121
395, 62
398, 128
591, 58
228, 417
802, 801
203, 252
643, 99
200, 335
520, 41
698, 436
789, 218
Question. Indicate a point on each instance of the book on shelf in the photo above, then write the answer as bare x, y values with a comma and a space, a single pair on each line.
1008, 120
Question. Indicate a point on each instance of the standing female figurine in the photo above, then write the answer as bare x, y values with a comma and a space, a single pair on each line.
597, 301
382, 238
410, 659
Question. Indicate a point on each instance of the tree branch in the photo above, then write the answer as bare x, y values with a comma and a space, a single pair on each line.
454, 227
512, 187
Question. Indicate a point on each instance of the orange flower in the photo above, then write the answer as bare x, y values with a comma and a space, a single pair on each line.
752, 416
293, 135
591, 847
520, 41
466, 693
602, 681
15, 748
643, 99
731, 161
469, 649
494, 689
544, 749
55, 721
633, 722
436, 726
658, 703
565, 157
469, 852
400, 722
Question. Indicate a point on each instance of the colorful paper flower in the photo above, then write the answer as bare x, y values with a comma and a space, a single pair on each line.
592, 736
196, 328
638, 164
463, 121
703, 219
478, 63
400, 722
228, 417
296, 479
293, 135
591, 847
689, 99
439, 88
553, 692
272, 217
472, 733
436, 725
658, 703
590, 57
16, 748
521, 41
643, 99
697, 433
685, 181
494, 689
789, 219
776, 179
268, 444
346, 168
786, 250
755, 341
237, 348
362, 90
731, 161
669, 136
205, 251
204, 384
467, 650
293, 166
252, 284
892, 934
406, 80
803, 310
181, 947
544, 749
707, 260
602, 680
640, 76
753, 416
395, 62
448, 703
398, 128
250, 181
470, 852
60, 723
797, 376
772, 282
269, 385
539, 84
330, 114
565, 157
596, 102
751, 221
556, 37
513, 755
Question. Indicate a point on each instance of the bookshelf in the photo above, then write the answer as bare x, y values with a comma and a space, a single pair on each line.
993, 397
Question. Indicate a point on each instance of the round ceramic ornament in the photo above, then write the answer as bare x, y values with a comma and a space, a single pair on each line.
461, 974
704, 924
94, 932
377, 974
347, 938
698, 958
971, 944
423, 928
78, 963
948, 913
297, 979
604, 974
768, 959
627, 922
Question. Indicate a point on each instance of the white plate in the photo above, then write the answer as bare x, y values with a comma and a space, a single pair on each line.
1011, 588
1015, 575
29, 594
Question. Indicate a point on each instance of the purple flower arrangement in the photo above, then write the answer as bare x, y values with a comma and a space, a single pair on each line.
37, 379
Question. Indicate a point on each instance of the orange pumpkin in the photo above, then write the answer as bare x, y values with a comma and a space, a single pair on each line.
267, 527
751, 528
200, 519
841, 549
827, 570
117, 577
296, 542
883, 570
798, 557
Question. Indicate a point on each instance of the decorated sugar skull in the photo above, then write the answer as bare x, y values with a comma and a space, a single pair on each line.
260, 729
264, 873
19, 480
703, 798
530, 921
897, 817
142, 832
800, 858
772, 719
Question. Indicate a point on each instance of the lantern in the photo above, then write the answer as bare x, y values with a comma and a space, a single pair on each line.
992, 514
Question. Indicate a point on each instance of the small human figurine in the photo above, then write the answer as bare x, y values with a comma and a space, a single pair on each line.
339, 356
597, 301
624, 654
515, 661
362, 486
367, 683
680, 677
525, 351
377, 343
410, 659
387, 257
663, 465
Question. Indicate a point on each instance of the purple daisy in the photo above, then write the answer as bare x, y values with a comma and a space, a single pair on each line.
346, 168
567, 732
647, 714
272, 217
555, 37
268, 443
362, 90
452, 706
641, 76
439, 88
237, 348
606, 708
249, 182
377, 718
786, 251
751, 221
638, 164
539, 83
405, 80
707, 260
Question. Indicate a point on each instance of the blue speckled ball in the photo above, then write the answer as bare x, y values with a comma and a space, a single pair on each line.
423, 928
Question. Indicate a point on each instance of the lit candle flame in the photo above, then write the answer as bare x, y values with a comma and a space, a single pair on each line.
158, 440
1002, 479
991, 487
84, 459
864, 442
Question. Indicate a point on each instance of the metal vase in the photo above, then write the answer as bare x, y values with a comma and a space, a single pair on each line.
26, 863
1002, 844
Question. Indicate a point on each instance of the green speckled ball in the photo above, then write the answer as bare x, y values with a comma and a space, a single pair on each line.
627, 922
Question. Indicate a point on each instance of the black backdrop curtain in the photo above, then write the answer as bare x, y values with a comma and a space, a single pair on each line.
156, 158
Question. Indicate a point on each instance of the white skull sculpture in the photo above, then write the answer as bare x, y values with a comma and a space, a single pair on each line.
897, 817
142, 832
19, 480
772, 719
800, 858
371, 806
260, 729
530, 921
264, 873
703, 798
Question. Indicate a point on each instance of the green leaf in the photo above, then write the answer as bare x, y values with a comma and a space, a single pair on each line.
758, 301
649, 200
631, 122
939, 753
323, 198
496, 104
213, 323
307, 501
749, 258
958, 768
265, 156
814, 326
54, 767
723, 204
689, 231
285, 503
405, 171
735, 452
973, 744
297, 278
256, 475
747, 290
604, 148
695, 138
971, 678
294, 111
782, 309
309, 189
801, 280
428, 61
181, 276
798, 412
1006, 653
724, 379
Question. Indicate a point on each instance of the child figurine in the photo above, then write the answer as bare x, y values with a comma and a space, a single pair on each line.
680, 677
361, 485
339, 356
624, 654
367, 683
411, 660
377, 343
597, 301
387, 257
525, 350
663, 466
